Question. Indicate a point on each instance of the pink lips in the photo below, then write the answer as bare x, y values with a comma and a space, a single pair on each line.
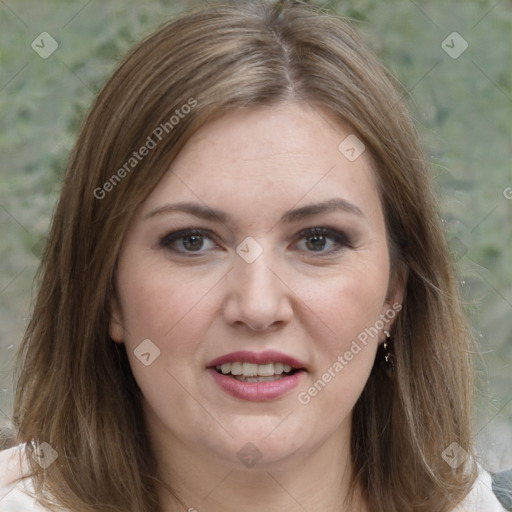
256, 391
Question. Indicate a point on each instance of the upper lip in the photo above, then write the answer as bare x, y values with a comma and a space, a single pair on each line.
245, 356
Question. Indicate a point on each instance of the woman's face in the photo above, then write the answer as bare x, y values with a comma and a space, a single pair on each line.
287, 266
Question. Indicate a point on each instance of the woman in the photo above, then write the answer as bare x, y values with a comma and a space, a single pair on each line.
246, 300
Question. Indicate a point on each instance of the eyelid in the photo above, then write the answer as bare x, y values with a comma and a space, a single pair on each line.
340, 237
325, 230
173, 236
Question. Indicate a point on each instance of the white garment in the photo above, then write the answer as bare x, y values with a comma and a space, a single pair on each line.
12, 493
14, 499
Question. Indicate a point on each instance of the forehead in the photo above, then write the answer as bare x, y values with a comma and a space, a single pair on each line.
270, 157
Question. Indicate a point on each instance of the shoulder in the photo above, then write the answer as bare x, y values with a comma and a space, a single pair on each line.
481, 496
15, 493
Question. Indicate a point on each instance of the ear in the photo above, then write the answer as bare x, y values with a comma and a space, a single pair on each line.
116, 323
394, 298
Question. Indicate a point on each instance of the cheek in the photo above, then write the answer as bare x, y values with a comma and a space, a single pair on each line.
163, 307
347, 303
345, 344
159, 303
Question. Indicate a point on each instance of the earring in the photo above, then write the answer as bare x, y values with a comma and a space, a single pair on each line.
388, 363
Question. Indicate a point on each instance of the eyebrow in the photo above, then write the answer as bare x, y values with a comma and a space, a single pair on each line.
294, 215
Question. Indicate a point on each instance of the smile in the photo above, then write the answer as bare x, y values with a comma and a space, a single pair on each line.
251, 372
258, 377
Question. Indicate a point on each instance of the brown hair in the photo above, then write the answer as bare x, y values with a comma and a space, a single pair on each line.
75, 388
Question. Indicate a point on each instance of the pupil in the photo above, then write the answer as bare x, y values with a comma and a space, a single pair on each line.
197, 242
319, 241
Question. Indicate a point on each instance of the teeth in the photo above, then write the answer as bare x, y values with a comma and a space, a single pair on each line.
267, 370
250, 370
236, 368
257, 379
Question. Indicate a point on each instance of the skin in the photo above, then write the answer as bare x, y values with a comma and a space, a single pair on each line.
255, 164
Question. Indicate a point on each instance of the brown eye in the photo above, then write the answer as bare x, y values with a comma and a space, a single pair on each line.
186, 241
193, 242
324, 241
316, 242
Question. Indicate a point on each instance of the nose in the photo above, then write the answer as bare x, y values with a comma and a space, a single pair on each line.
257, 296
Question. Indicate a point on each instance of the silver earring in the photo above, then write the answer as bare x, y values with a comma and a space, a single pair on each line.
388, 362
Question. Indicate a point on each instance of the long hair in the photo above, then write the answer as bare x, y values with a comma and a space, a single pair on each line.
75, 388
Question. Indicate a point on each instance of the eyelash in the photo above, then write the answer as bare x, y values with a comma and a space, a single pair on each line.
340, 238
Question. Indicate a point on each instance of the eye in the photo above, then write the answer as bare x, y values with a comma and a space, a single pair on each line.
187, 241
319, 240
324, 240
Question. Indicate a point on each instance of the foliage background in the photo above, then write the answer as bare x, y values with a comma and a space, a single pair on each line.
462, 108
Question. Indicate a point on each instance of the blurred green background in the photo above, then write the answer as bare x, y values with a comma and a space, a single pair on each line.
462, 107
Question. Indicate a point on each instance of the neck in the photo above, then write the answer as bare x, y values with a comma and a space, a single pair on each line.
197, 481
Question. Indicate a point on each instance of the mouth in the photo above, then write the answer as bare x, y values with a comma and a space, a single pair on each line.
252, 372
258, 377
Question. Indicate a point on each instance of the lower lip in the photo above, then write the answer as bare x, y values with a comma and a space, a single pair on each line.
256, 391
